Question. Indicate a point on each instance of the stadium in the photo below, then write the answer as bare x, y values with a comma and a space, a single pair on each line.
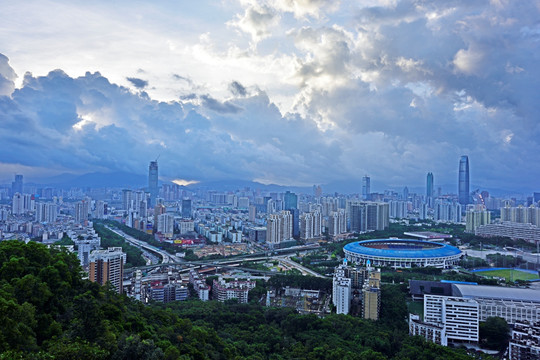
402, 253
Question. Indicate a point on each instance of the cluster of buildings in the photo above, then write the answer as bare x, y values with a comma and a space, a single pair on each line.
357, 290
268, 219
452, 311
517, 222
221, 289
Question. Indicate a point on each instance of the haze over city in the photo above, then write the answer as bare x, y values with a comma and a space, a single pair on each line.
285, 92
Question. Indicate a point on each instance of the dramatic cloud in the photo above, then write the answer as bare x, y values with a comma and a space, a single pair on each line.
7, 76
138, 83
257, 21
286, 91
219, 107
237, 89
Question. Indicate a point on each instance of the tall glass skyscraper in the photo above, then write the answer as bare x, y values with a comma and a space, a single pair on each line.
153, 182
290, 201
17, 185
463, 181
366, 187
186, 208
429, 185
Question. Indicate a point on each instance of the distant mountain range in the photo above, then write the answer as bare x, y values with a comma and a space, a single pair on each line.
96, 180
137, 181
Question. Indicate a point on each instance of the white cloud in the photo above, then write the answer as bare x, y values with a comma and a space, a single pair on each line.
391, 88
469, 61
257, 21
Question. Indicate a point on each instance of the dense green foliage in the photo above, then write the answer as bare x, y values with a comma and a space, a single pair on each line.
65, 240
300, 281
111, 239
494, 333
149, 239
48, 312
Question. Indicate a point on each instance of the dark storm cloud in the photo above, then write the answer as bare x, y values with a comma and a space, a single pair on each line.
220, 107
138, 83
188, 97
237, 89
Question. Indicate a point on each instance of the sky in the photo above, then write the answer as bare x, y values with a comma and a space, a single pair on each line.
291, 92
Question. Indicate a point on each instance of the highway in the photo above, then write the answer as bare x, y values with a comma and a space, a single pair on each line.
168, 259
165, 256
304, 270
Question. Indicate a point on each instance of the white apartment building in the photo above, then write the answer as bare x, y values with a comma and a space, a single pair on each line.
431, 332
165, 224
342, 295
223, 291
459, 316
311, 225
199, 285
279, 228
337, 223
186, 226
525, 341
46, 212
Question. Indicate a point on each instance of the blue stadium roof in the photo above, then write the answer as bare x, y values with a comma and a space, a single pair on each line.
441, 250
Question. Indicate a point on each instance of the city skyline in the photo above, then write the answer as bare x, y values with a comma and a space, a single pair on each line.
290, 93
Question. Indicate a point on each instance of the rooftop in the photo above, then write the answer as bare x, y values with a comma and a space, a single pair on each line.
401, 248
495, 292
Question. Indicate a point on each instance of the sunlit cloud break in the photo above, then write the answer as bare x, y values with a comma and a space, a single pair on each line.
183, 182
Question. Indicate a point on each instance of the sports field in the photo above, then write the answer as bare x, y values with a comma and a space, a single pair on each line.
509, 274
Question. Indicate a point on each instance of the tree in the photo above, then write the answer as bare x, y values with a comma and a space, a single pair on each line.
494, 333
65, 240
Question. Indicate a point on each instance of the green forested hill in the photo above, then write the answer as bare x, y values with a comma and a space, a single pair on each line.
48, 312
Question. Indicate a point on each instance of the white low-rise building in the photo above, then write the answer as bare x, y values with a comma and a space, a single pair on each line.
431, 332
223, 291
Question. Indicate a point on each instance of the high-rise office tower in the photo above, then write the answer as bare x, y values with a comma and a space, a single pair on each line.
429, 185
463, 181
17, 185
186, 208
153, 182
366, 187
290, 201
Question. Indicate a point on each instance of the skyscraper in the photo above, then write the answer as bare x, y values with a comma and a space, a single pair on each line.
186, 208
107, 266
366, 187
463, 180
290, 200
429, 185
153, 182
405, 193
17, 185
82, 208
